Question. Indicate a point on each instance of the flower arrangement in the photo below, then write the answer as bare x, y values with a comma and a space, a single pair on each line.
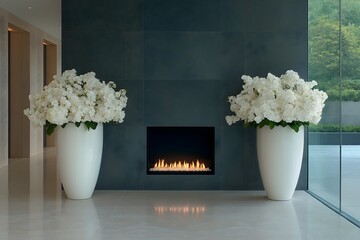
274, 101
70, 98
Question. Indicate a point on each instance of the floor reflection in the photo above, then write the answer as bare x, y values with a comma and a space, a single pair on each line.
325, 170
182, 210
35, 178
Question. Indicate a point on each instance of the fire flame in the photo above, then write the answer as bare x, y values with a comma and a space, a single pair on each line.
197, 166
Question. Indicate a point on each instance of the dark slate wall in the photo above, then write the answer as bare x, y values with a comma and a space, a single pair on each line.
179, 60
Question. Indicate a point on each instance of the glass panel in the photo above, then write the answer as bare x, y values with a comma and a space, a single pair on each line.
350, 182
324, 67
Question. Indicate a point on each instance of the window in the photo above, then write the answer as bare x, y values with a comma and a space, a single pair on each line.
334, 62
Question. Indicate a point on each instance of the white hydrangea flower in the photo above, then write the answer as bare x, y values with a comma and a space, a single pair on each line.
286, 98
72, 98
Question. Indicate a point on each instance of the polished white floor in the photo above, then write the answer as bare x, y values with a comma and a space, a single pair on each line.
32, 206
325, 169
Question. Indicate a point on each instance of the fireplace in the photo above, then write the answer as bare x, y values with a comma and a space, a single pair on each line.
180, 150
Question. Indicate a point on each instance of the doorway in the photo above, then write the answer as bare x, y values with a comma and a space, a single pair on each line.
19, 90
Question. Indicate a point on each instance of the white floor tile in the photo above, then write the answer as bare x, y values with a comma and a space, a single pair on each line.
32, 206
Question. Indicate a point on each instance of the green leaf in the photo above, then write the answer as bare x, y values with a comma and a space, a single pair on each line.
50, 128
91, 125
246, 125
263, 123
295, 127
77, 124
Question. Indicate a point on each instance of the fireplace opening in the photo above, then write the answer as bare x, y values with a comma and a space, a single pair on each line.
181, 150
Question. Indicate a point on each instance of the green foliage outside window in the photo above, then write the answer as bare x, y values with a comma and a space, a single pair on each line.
333, 128
324, 50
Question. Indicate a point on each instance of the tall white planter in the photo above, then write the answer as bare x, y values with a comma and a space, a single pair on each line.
280, 152
78, 155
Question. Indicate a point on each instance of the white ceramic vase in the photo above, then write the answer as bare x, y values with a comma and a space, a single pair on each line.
280, 153
78, 155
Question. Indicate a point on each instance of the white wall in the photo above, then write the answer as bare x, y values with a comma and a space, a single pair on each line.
36, 78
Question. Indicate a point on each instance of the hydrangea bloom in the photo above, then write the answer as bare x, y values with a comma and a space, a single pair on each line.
70, 98
277, 101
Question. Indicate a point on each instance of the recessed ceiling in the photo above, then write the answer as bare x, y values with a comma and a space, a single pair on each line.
44, 14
